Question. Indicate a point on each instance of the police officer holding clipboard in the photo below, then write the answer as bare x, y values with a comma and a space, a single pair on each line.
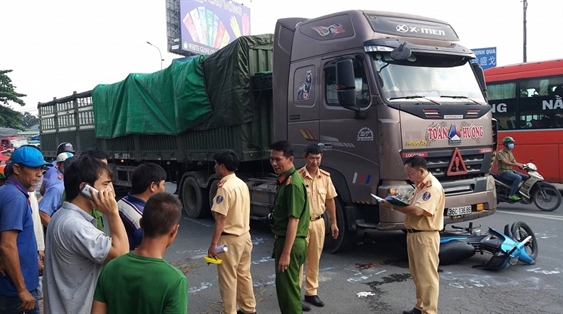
424, 218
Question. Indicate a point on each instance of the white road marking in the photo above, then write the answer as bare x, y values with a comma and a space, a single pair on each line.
551, 217
197, 222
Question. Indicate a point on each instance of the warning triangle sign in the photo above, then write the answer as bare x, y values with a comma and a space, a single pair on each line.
457, 166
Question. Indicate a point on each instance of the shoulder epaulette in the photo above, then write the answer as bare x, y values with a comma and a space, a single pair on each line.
324, 172
302, 171
427, 184
220, 183
288, 181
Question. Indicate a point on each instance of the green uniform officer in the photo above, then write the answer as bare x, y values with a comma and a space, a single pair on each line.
290, 227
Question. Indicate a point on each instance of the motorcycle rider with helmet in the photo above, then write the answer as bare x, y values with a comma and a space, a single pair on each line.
505, 162
53, 172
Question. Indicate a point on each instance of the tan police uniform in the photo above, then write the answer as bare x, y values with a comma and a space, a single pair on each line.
235, 282
423, 242
319, 189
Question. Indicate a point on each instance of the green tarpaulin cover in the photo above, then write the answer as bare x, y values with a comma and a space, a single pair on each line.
201, 93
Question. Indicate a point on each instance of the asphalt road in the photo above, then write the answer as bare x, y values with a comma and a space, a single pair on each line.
377, 267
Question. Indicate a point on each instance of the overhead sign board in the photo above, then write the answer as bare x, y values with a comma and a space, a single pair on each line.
209, 25
485, 57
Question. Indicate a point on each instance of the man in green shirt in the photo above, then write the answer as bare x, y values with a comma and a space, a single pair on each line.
141, 281
290, 227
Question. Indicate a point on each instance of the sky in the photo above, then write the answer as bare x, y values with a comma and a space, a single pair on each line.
55, 47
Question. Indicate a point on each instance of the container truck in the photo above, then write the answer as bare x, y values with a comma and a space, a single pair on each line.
371, 88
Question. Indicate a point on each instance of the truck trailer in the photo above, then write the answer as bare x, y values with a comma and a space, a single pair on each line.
371, 88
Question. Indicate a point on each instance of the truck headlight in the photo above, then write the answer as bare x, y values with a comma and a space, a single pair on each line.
402, 192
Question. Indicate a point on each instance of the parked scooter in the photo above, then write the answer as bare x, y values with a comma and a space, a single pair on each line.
517, 244
533, 189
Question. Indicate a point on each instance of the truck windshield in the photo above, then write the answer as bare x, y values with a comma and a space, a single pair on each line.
426, 76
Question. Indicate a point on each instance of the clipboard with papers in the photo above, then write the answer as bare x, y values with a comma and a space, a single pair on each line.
396, 201
391, 199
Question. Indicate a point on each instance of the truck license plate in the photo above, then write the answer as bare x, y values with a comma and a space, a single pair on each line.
457, 211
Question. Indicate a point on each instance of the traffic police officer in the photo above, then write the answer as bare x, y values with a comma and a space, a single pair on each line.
231, 206
290, 227
321, 193
424, 219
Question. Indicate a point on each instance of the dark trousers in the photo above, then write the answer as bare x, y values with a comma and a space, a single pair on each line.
9, 305
288, 288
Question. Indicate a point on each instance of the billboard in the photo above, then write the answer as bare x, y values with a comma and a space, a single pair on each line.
485, 57
208, 25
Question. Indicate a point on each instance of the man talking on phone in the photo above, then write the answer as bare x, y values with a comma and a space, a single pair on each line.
76, 250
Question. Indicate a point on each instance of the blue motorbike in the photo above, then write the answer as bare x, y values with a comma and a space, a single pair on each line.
517, 244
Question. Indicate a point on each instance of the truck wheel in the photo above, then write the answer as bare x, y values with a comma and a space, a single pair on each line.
212, 192
192, 199
345, 238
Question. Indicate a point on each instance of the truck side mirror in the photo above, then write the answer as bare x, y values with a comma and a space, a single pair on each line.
480, 76
345, 83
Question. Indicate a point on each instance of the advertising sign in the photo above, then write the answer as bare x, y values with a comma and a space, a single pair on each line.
209, 25
486, 57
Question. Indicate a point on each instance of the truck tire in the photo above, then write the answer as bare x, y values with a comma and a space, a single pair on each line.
346, 237
192, 199
212, 192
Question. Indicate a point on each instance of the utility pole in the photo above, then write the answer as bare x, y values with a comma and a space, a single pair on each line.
525, 7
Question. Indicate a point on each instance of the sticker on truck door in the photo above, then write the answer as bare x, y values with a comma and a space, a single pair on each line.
304, 88
365, 134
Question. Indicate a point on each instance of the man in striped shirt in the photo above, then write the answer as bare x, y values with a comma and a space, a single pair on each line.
147, 179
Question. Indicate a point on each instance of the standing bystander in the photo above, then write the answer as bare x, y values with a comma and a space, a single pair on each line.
19, 281
51, 200
141, 281
75, 250
146, 180
103, 157
52, 175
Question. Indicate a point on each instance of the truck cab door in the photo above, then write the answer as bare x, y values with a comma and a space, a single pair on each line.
303, 106
350, 143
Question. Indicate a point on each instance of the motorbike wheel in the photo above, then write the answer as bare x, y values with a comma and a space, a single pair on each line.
546, 197
520, 231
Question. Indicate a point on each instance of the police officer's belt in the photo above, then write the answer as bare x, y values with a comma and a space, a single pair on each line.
316, 218
227, 234
280, 237
415, 230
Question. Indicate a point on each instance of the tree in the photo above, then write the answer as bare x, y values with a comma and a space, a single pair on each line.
29, 120
8, 116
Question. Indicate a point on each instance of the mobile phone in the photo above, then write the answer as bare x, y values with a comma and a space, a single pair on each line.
86, 191
377, 198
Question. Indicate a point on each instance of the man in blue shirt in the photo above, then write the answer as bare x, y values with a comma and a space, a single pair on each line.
147, 179
53, 173
51, 200
18, 247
